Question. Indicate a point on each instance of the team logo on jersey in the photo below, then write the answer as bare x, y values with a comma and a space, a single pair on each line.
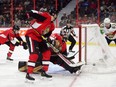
46, 31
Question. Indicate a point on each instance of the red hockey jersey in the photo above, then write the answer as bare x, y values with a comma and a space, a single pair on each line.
42, 27
7, 35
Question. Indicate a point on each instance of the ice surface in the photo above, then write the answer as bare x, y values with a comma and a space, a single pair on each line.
11, 77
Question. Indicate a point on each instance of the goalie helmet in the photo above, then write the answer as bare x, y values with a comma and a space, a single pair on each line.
106, 20
56, 40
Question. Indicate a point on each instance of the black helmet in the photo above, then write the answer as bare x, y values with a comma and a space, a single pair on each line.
53, 12
15, 27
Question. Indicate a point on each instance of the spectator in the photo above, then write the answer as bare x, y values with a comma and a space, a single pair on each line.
64, 17
62, 23
17, 22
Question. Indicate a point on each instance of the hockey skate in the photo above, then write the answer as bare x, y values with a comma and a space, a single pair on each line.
29, 78
9, 59
45, 75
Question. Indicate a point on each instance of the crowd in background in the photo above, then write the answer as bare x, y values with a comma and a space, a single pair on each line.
87, 11
22, 6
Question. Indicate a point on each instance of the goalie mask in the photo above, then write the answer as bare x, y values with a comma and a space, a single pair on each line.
56, 41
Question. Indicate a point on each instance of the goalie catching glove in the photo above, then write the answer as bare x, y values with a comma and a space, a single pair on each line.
24, 44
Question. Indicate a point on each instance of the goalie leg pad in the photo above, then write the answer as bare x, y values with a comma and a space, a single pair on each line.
22, 67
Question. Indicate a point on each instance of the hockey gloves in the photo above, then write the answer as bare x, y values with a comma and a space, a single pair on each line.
25, 45
17, 44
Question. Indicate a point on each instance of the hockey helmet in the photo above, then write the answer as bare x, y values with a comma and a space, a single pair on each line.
53, 13
56, 40
106, 20
15, 27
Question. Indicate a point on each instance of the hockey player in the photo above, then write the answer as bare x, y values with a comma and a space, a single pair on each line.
67, 32
41, 25
11, 38
58, 42
109, 29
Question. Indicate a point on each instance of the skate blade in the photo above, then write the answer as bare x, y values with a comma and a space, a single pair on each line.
29, 81
45, 78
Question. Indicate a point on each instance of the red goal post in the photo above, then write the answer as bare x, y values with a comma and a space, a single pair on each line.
93, 45
86, 38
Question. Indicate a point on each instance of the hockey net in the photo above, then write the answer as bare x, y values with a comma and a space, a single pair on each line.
96, 53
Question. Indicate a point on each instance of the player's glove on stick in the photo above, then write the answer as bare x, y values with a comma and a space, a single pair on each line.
17, 44
25, 45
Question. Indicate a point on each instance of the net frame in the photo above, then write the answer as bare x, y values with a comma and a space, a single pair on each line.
106, 66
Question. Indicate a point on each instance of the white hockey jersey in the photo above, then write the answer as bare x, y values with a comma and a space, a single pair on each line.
109, 32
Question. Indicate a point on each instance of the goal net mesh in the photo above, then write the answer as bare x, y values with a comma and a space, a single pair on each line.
98, 55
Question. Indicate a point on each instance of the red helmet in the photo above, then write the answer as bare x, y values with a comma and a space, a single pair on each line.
56, 36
